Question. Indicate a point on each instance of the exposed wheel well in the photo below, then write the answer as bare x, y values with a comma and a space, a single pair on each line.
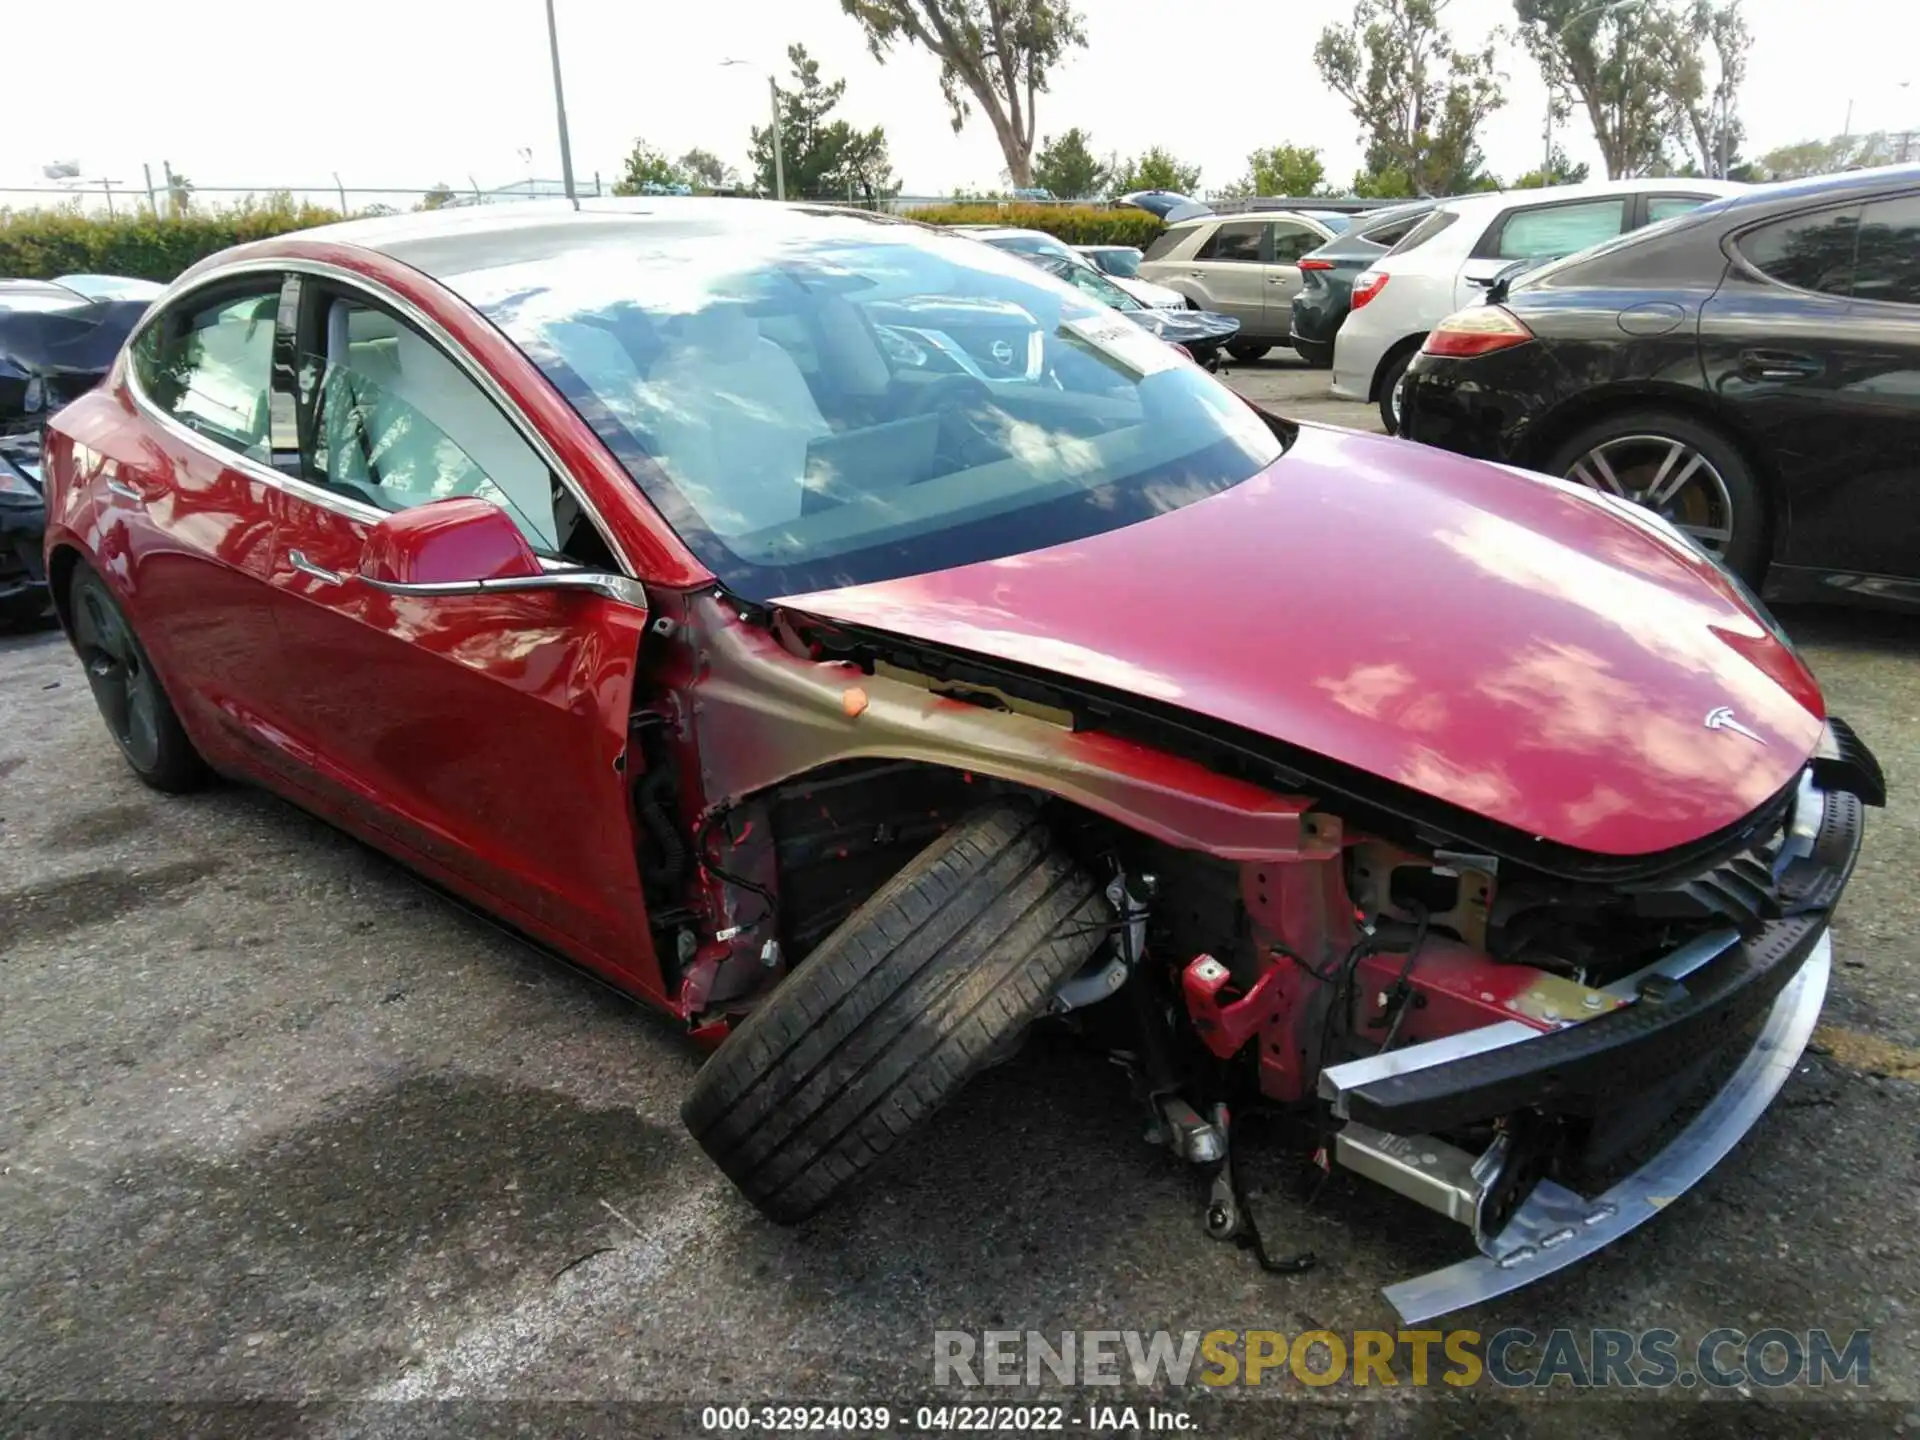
1411, 343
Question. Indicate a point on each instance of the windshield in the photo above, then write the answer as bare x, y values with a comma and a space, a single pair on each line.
1088, 281
1124, 261
831, 402
1030, 242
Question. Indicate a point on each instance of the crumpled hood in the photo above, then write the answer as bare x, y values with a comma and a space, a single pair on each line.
1506, 643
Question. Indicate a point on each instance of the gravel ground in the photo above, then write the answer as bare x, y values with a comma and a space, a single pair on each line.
279, 1125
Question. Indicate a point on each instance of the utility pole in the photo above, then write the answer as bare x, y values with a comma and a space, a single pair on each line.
560, 109
152, 204
779, 160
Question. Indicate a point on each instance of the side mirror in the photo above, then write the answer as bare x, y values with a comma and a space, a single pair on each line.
469, 546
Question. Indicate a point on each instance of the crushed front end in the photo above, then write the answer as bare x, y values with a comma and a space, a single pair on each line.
1548, 1061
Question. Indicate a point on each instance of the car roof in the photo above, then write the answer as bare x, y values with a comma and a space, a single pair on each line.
1262, 216
457, 240
1487, 200
1004, 232
1816, 187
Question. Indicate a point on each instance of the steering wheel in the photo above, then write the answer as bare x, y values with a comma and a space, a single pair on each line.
968, 434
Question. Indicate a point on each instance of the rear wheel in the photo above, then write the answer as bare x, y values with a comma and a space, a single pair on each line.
1390, 390
128, 691
1682, 469
917, 990
1318, 355
1248, 351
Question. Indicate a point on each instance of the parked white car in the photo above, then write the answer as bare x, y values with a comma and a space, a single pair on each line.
1038, 242
1121, 264
1449, 260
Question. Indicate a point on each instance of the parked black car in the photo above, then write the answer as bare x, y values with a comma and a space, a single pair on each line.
1750, 371
1200, 332
55, 344
1327, 275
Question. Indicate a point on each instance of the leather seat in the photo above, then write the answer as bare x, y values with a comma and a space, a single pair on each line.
731, 417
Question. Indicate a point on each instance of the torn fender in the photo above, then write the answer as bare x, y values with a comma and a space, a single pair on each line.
762, 715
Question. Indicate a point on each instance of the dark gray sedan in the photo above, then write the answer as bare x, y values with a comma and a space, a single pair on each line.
1326, 277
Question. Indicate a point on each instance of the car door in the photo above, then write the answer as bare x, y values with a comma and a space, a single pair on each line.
1539, 233
482, 733
1228, 271
185, 511
1813, 343
1287, 243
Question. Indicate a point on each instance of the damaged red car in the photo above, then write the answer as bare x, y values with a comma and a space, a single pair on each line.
849, 639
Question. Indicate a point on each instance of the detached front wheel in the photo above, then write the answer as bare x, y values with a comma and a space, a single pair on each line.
915, 991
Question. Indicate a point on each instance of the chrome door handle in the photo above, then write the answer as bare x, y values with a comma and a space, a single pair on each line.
125, 491
305, 566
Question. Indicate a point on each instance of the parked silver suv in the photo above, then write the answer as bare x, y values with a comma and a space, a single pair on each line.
1244, 266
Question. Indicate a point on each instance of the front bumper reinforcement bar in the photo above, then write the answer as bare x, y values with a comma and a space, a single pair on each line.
1554, 1227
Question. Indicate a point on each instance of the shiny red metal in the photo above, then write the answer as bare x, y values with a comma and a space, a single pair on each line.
464, 538
1515, 649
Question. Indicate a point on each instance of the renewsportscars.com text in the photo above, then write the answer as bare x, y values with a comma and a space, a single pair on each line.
1514, 1358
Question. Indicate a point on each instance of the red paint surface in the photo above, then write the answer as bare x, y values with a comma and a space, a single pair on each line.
448, 541
1502, 643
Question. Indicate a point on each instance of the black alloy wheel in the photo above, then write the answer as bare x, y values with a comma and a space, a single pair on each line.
128, 692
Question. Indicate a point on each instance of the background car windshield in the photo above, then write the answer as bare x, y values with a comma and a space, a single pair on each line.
1122, 262
851, 402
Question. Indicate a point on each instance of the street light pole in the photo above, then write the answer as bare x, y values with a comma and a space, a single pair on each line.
560, 109
773, 96
779, 160
1610, 8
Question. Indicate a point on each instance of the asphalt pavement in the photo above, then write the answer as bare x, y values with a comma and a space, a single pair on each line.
278, 1124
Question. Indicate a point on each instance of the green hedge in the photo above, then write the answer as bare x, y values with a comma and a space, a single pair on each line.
39, 244
1075, 224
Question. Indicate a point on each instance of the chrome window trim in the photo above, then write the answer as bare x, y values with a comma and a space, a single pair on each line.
414, 316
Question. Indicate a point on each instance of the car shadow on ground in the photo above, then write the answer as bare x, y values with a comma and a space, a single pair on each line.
1850, 627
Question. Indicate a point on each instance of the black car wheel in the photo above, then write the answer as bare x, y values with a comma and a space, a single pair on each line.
1390, 390
1248, 351
1681, 469
1318, 356
925, 984
138, 714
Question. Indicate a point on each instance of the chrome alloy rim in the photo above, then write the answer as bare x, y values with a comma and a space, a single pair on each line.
1669, 477
123, 686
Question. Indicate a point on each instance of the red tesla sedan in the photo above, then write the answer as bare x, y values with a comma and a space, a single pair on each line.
846, 637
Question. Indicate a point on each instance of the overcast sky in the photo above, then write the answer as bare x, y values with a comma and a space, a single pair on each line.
406, 93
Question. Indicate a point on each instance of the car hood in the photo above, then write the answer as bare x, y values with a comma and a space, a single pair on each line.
1506, 643
1181, 326
1148, 293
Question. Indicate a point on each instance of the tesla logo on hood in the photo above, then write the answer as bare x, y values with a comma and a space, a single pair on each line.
1722, 719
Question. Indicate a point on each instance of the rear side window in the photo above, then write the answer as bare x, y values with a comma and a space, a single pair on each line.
210, 365
1431, 226
1391, 235
1291, 241
1886, 263
1236, 240
1809, 252
1555, 230
1665, 207
1162, 243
